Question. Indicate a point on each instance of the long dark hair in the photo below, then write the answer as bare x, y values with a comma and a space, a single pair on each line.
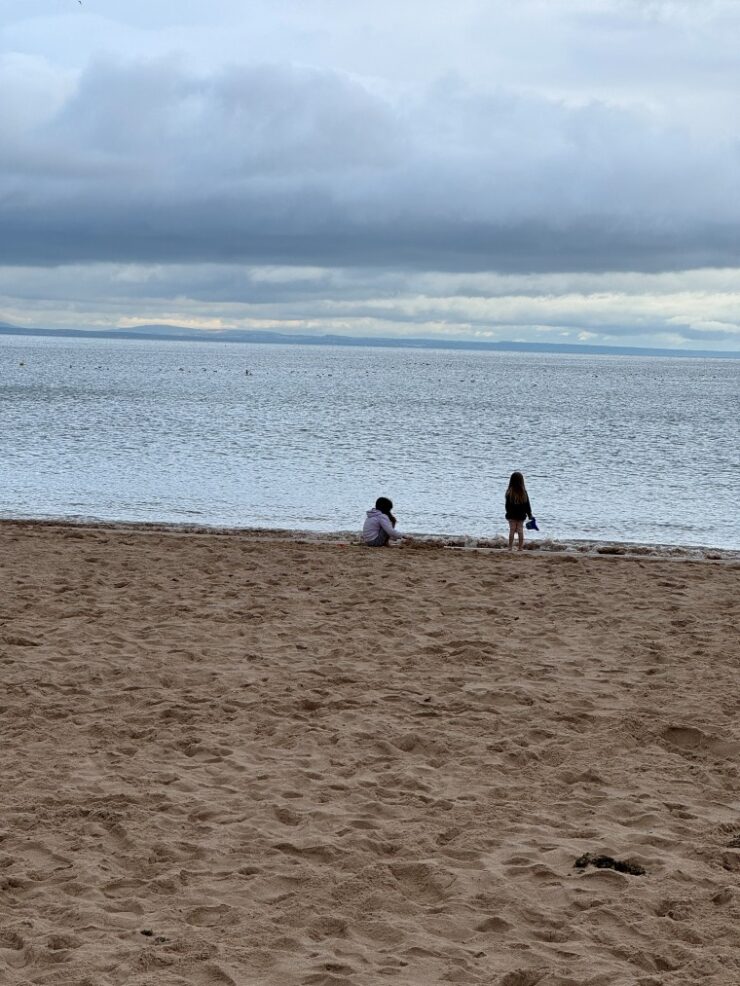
517, 491
385, 506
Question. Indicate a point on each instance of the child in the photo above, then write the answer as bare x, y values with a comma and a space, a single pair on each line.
380, 525
517, 508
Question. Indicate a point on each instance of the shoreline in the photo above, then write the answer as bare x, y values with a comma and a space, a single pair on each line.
498, 544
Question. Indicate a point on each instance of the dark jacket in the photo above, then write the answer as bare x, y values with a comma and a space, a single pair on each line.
517, 511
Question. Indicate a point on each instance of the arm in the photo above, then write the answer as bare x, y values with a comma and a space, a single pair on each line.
529, 509
390, 530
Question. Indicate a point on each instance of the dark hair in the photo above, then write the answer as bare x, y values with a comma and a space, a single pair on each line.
517, 491
385, 506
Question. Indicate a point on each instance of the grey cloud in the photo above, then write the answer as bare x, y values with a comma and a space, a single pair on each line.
695, 307
206, 283
691, 334
269, 121
506, 171
149, 161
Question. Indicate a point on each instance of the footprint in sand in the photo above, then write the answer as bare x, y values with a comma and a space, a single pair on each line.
330, 974
59, 943
493, 926
210, 974
210, 917
423, 882
522, 977
498, 699
36, 854
287, 817
11, 940
689, 739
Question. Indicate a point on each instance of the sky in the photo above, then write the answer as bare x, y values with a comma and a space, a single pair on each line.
547, 170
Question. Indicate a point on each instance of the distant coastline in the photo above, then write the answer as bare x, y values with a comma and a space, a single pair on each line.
176, 333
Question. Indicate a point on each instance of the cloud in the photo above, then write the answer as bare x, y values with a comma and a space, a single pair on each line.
281, 164
366, 145
677, 309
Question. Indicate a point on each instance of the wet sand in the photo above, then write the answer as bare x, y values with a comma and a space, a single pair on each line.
266, 761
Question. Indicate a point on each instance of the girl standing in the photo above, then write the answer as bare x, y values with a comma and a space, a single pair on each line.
518, 508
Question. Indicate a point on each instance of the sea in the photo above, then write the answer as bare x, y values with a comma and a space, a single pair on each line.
613, 448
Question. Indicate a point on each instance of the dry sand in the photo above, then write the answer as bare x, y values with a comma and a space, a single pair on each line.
228, 760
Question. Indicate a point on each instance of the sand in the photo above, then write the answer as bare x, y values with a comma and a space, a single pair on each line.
244, 760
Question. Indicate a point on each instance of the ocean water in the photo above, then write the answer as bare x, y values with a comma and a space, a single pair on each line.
612, 448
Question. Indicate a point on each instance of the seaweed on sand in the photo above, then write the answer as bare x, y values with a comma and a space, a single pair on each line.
609, 863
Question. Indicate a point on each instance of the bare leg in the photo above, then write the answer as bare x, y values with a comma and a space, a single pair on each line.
512, 532
520, 534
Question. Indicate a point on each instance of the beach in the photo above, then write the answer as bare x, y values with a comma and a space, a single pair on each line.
270, 760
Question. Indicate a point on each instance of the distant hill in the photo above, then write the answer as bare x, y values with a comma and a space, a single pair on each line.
181, 333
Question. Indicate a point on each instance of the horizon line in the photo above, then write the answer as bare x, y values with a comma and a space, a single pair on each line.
166, 332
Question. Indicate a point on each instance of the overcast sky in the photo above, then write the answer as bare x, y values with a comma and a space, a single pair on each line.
545, 170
